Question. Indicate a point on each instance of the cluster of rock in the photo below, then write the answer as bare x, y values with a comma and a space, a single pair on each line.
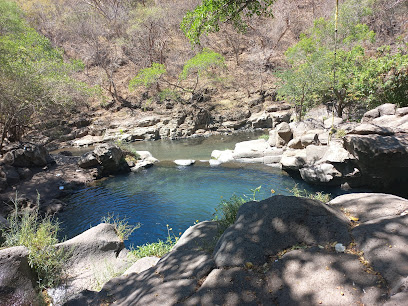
373, 153
109, 159
19, 160
279, 251
198, 121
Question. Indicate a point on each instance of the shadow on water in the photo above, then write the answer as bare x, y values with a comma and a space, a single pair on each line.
170, 194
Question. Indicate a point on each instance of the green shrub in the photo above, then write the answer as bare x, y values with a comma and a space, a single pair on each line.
264, 136
228, 210
127, 149
39, 235
123, 228
158, 249
319, 195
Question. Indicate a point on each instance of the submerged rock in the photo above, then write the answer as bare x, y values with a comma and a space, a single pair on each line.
184, 162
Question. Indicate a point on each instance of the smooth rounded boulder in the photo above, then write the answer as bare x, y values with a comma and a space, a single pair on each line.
267, 227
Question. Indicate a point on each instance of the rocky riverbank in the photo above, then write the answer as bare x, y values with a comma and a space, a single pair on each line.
282, 250
29, 171
372, 153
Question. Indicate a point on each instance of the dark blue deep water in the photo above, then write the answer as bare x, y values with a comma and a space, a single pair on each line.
161, 195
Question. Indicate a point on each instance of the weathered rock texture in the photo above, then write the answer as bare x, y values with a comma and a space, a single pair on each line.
373, 153
17, 280
280, 251
95, 256
107, 158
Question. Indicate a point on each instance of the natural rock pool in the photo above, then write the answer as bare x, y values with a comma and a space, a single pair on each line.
171, 194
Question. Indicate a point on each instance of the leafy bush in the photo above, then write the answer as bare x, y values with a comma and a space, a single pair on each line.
123, 228
35, 81
127, 149
39, 236
265, 136
158, 249
147, 76
346, 76
226, 212
206, 18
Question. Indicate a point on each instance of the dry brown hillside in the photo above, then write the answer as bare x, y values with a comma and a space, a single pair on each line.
117, 38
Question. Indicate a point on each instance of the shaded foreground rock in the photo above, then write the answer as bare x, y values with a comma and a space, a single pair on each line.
17, 281
382, 234
27, 155
301, 277
279, 252
264, 228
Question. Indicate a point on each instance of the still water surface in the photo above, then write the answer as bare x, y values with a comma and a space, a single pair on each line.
163, 195
170, 194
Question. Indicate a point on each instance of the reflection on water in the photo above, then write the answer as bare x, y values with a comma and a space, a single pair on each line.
172, 195
193, 148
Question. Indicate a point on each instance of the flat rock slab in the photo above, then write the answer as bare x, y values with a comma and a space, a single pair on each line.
264, 228
235, 286
181, 264
314, 277
301, 277
384, 242
369, 206
142, 265
146, 288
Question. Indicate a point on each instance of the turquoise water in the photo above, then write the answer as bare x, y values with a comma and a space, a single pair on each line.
161, 195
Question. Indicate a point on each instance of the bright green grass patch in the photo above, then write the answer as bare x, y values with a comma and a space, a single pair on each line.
158, 249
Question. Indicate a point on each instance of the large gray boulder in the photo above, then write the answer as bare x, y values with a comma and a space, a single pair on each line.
109, 159
284, 134
94, 257
260, 120
320, 174
264, 228
17, 280
88, 160
383, 160
387, 109
370, 115
27, 155
172, 280
250, 149
293, 159
367, 128
302, 127
329, 165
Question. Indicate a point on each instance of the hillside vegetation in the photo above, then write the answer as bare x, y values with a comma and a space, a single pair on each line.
110, 44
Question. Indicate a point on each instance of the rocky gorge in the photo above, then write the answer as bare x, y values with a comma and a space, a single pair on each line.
282, 250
